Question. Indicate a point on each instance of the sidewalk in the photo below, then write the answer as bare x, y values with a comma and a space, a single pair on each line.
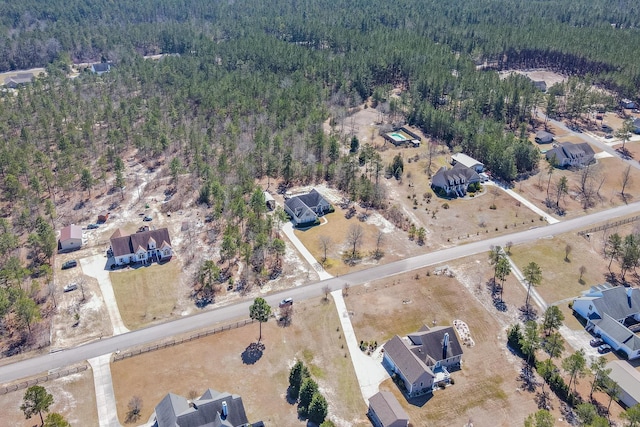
105, 397
547, 217
94, 266
369, 370
288, 231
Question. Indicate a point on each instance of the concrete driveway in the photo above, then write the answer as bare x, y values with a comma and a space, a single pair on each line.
289, 232
95, 266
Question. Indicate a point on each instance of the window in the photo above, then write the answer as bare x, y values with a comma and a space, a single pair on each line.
141, 255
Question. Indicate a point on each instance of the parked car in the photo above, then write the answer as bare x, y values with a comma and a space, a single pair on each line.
286, 302
608, 136
596, 342
92, 226
147, 218
69, 264
70, 287
604, 348
607, 128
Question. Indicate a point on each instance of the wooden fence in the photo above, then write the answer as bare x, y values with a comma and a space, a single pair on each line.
608, 225
43, 379
126, 355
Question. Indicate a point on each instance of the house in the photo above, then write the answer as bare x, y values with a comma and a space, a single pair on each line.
567, 154
100, 68
144, 246
422, 359
212, 409
541, 85
613, 313
456, 180
402, 136
70, 238
628, 379
103, 217
385, 411
628, 104
306, 208
467, 161
269, 200
544, 137
20, 79
636, 125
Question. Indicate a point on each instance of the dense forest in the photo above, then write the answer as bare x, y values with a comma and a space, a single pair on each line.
254, 81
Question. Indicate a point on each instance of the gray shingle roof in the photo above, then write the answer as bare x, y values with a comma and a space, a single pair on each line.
626, 377
618, 332
298, 207
617, 303
124, 245
569, 151
206, 411
458, 174
387, 408
407, 363
428, 345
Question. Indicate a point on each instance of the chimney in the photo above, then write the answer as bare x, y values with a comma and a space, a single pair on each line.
224, 409
445, 345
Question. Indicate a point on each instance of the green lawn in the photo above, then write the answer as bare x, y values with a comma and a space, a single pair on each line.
146, 294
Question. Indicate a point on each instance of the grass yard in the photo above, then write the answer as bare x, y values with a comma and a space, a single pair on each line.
146, 294
215, 362
73, 398
483, 390
395, 243
560, 279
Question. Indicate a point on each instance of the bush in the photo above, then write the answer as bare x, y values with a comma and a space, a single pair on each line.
445, 205
514, 336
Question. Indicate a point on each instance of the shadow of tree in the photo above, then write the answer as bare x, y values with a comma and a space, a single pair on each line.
252, 353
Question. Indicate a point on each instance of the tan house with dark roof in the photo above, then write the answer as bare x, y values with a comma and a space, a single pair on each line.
70, 238
144, 246
422, 359
385, 411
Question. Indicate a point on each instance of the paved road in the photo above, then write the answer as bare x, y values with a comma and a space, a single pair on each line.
63, 358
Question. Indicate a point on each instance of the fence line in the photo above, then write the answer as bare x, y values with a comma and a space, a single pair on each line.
171, 343
40, 380
609, 225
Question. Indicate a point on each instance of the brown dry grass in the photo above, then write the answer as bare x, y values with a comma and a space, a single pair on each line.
146, 294
215, 362
483, 390
73, 396
560, 279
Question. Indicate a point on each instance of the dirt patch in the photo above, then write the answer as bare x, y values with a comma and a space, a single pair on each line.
73, 397
549, 77
216, 362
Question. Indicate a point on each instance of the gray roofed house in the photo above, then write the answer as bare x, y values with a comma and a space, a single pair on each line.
145, 246
306, 208
269, 201
456, 180
468, 161
385, 411
628, 379
212, 409
544, 137
613, 313
18, 80
568, 154
100, 68
423, 358
636, 125
540, 85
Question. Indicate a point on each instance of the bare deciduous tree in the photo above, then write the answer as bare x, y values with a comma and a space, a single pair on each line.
582, 270
326, 290
567, 251
626, 180
378, 253
345, 290
325, 245
134, 409
354, 240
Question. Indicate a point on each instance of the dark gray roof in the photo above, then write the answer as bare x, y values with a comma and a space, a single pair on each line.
429, 345
618, 332
124, 245
101, 67
406, 362
387, 408
618, 302
311, 199
458, 174
298, 207
175, 411
544, 136
567, 150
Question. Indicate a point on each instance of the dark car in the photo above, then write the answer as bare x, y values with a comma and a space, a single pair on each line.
596, 342
69, 264
604, 348
92, 226
147, 218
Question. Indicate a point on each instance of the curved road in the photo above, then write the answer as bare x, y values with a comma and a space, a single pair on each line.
229, 313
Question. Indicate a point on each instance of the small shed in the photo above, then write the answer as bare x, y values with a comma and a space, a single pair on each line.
467, 161
385, 411
70, 238
544, 137
269, 200
628, 379
103, 217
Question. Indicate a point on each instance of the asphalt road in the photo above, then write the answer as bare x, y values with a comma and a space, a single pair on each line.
52, 361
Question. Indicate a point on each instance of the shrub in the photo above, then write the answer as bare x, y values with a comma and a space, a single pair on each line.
445, 205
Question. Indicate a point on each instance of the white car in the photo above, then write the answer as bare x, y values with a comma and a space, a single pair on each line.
286, 302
